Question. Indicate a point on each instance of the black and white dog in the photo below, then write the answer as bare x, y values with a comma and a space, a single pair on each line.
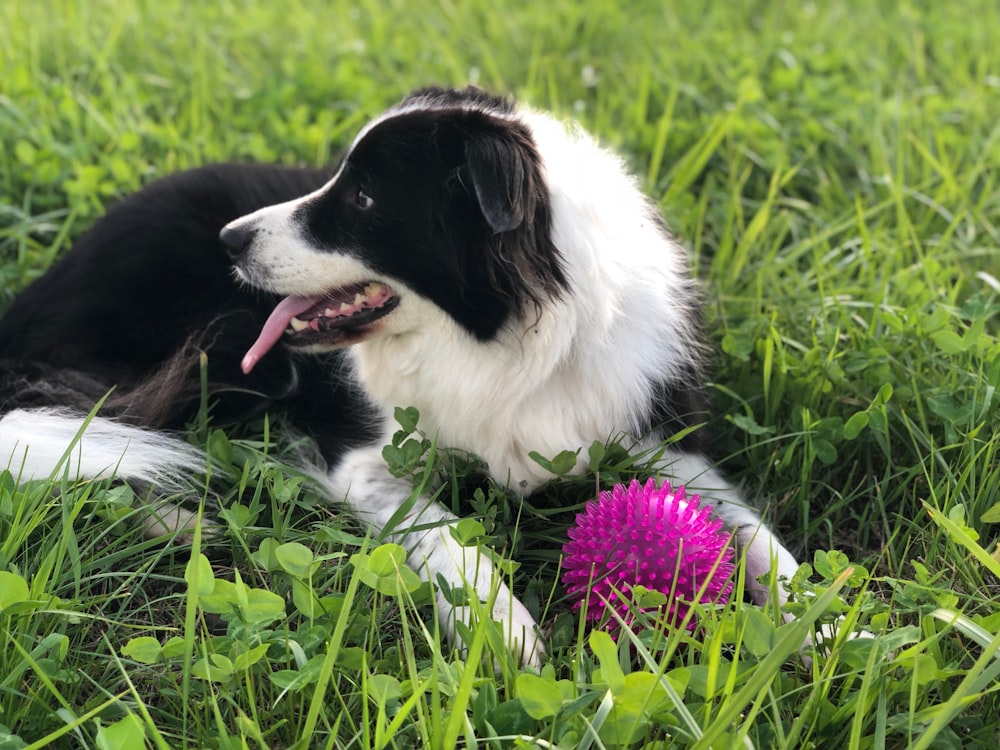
481, 261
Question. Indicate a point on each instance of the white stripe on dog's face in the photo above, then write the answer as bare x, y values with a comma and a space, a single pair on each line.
282, 259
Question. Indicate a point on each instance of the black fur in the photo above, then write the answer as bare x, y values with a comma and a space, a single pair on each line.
143, 293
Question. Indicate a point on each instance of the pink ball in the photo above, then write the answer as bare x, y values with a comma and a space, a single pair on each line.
650, 536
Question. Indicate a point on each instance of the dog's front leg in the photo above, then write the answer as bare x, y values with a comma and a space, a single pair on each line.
375, 496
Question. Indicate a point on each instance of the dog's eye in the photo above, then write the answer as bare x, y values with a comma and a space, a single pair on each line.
363, 199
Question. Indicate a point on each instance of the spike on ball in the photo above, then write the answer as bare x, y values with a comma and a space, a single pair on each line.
651, 536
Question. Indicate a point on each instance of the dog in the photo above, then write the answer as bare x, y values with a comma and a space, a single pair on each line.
486, 263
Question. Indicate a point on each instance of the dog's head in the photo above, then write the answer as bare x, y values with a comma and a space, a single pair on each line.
443, 196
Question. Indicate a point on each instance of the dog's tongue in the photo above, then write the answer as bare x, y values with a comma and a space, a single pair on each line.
274, 328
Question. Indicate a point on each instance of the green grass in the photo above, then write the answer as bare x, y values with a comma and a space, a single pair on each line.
832, 168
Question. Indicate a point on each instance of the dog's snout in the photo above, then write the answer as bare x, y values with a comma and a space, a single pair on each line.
237, 238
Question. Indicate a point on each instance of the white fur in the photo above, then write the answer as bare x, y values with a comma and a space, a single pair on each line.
62, 444
585, 369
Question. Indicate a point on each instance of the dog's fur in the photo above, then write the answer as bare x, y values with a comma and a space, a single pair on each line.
498, 270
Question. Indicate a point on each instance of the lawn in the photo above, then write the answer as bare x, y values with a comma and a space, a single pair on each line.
832, 168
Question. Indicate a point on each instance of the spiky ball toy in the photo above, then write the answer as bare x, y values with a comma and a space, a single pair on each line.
651, 536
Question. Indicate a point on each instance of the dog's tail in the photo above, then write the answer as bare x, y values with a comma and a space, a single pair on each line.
53, 444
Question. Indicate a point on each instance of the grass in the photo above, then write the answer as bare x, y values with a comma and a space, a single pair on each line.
832, 168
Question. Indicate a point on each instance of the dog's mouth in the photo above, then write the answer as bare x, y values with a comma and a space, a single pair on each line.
332, 320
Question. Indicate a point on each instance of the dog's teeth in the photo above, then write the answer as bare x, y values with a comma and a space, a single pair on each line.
298, 325
373, 290
345, 307
329, 312
359, 298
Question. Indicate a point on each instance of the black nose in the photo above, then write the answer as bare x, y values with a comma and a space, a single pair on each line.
237, 239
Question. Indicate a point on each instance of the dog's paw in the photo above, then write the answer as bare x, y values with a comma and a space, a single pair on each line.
518, 628
168, 519
520, 631
825, 639
828, 633
469, 573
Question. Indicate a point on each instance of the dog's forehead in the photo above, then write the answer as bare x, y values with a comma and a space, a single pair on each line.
427, 105
386, 132
469, 97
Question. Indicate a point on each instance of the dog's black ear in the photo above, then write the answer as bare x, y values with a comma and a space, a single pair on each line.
501, 167
495, 167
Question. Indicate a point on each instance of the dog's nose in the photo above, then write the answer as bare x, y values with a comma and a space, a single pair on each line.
237, 239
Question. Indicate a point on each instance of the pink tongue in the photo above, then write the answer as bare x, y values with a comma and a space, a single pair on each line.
274, 328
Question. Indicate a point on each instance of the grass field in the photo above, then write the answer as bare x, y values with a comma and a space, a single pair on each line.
833, 168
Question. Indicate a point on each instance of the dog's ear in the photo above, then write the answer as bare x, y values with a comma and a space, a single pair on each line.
501, 166
495, 167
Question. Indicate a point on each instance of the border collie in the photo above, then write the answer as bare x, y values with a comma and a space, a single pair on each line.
484, 262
